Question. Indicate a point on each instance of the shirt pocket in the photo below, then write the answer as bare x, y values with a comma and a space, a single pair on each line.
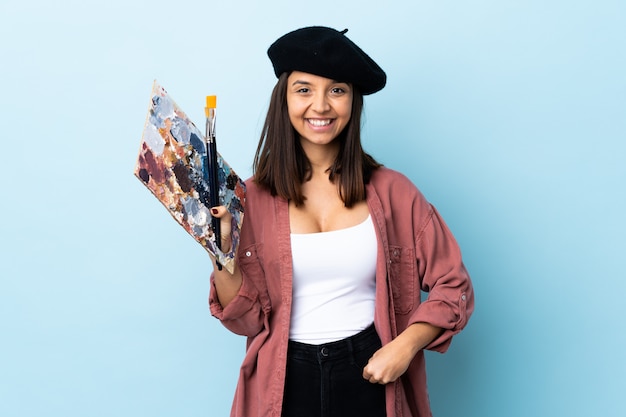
403, 277
251, 264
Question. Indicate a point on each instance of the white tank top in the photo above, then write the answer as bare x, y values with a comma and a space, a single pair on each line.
334, 283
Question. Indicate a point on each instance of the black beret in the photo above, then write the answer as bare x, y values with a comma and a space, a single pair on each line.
328, 53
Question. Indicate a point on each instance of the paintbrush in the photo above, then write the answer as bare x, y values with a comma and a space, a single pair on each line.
211, 167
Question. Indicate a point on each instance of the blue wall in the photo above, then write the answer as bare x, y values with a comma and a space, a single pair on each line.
510, 116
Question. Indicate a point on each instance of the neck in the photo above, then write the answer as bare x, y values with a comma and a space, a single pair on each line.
321, 157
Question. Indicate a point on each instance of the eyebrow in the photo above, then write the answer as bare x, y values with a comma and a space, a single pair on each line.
308, 83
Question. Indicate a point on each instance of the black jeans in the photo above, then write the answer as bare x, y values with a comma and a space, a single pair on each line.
327, 380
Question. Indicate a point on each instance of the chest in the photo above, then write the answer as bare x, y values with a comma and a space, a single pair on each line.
324, 211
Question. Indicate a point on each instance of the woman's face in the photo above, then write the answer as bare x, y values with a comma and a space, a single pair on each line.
319, 108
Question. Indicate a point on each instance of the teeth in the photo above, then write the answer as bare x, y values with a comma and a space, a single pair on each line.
317, 122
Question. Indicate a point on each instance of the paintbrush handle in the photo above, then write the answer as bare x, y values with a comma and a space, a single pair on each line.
214, 190
212, 168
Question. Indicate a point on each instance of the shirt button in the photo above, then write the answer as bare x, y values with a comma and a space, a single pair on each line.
463, 297
248, 254
324, 351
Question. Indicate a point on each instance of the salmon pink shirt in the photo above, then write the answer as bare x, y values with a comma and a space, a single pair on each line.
416, 252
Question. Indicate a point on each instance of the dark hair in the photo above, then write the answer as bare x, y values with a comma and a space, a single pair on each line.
281, 165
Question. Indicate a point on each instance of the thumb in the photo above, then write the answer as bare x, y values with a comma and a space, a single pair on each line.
219, 211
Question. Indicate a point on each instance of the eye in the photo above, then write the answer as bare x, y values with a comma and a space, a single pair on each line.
302, 90
340, 89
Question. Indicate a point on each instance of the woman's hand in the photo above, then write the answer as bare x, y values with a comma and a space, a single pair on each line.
226, 284
388, 363
226, 218
392, 360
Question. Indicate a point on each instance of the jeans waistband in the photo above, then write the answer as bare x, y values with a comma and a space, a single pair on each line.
338, 349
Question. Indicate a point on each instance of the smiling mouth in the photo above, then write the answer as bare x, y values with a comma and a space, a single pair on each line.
319, 122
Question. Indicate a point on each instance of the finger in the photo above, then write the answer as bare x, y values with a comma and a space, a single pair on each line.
225, 217
373, 380
219, 211
368, 376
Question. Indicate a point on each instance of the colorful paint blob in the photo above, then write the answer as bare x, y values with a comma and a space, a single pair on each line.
172, 165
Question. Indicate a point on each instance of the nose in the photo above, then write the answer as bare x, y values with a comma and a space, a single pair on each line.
320, 103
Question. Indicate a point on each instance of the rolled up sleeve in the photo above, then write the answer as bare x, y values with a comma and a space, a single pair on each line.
244, 314
443, 276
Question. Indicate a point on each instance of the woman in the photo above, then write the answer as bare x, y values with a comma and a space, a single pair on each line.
334, 251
